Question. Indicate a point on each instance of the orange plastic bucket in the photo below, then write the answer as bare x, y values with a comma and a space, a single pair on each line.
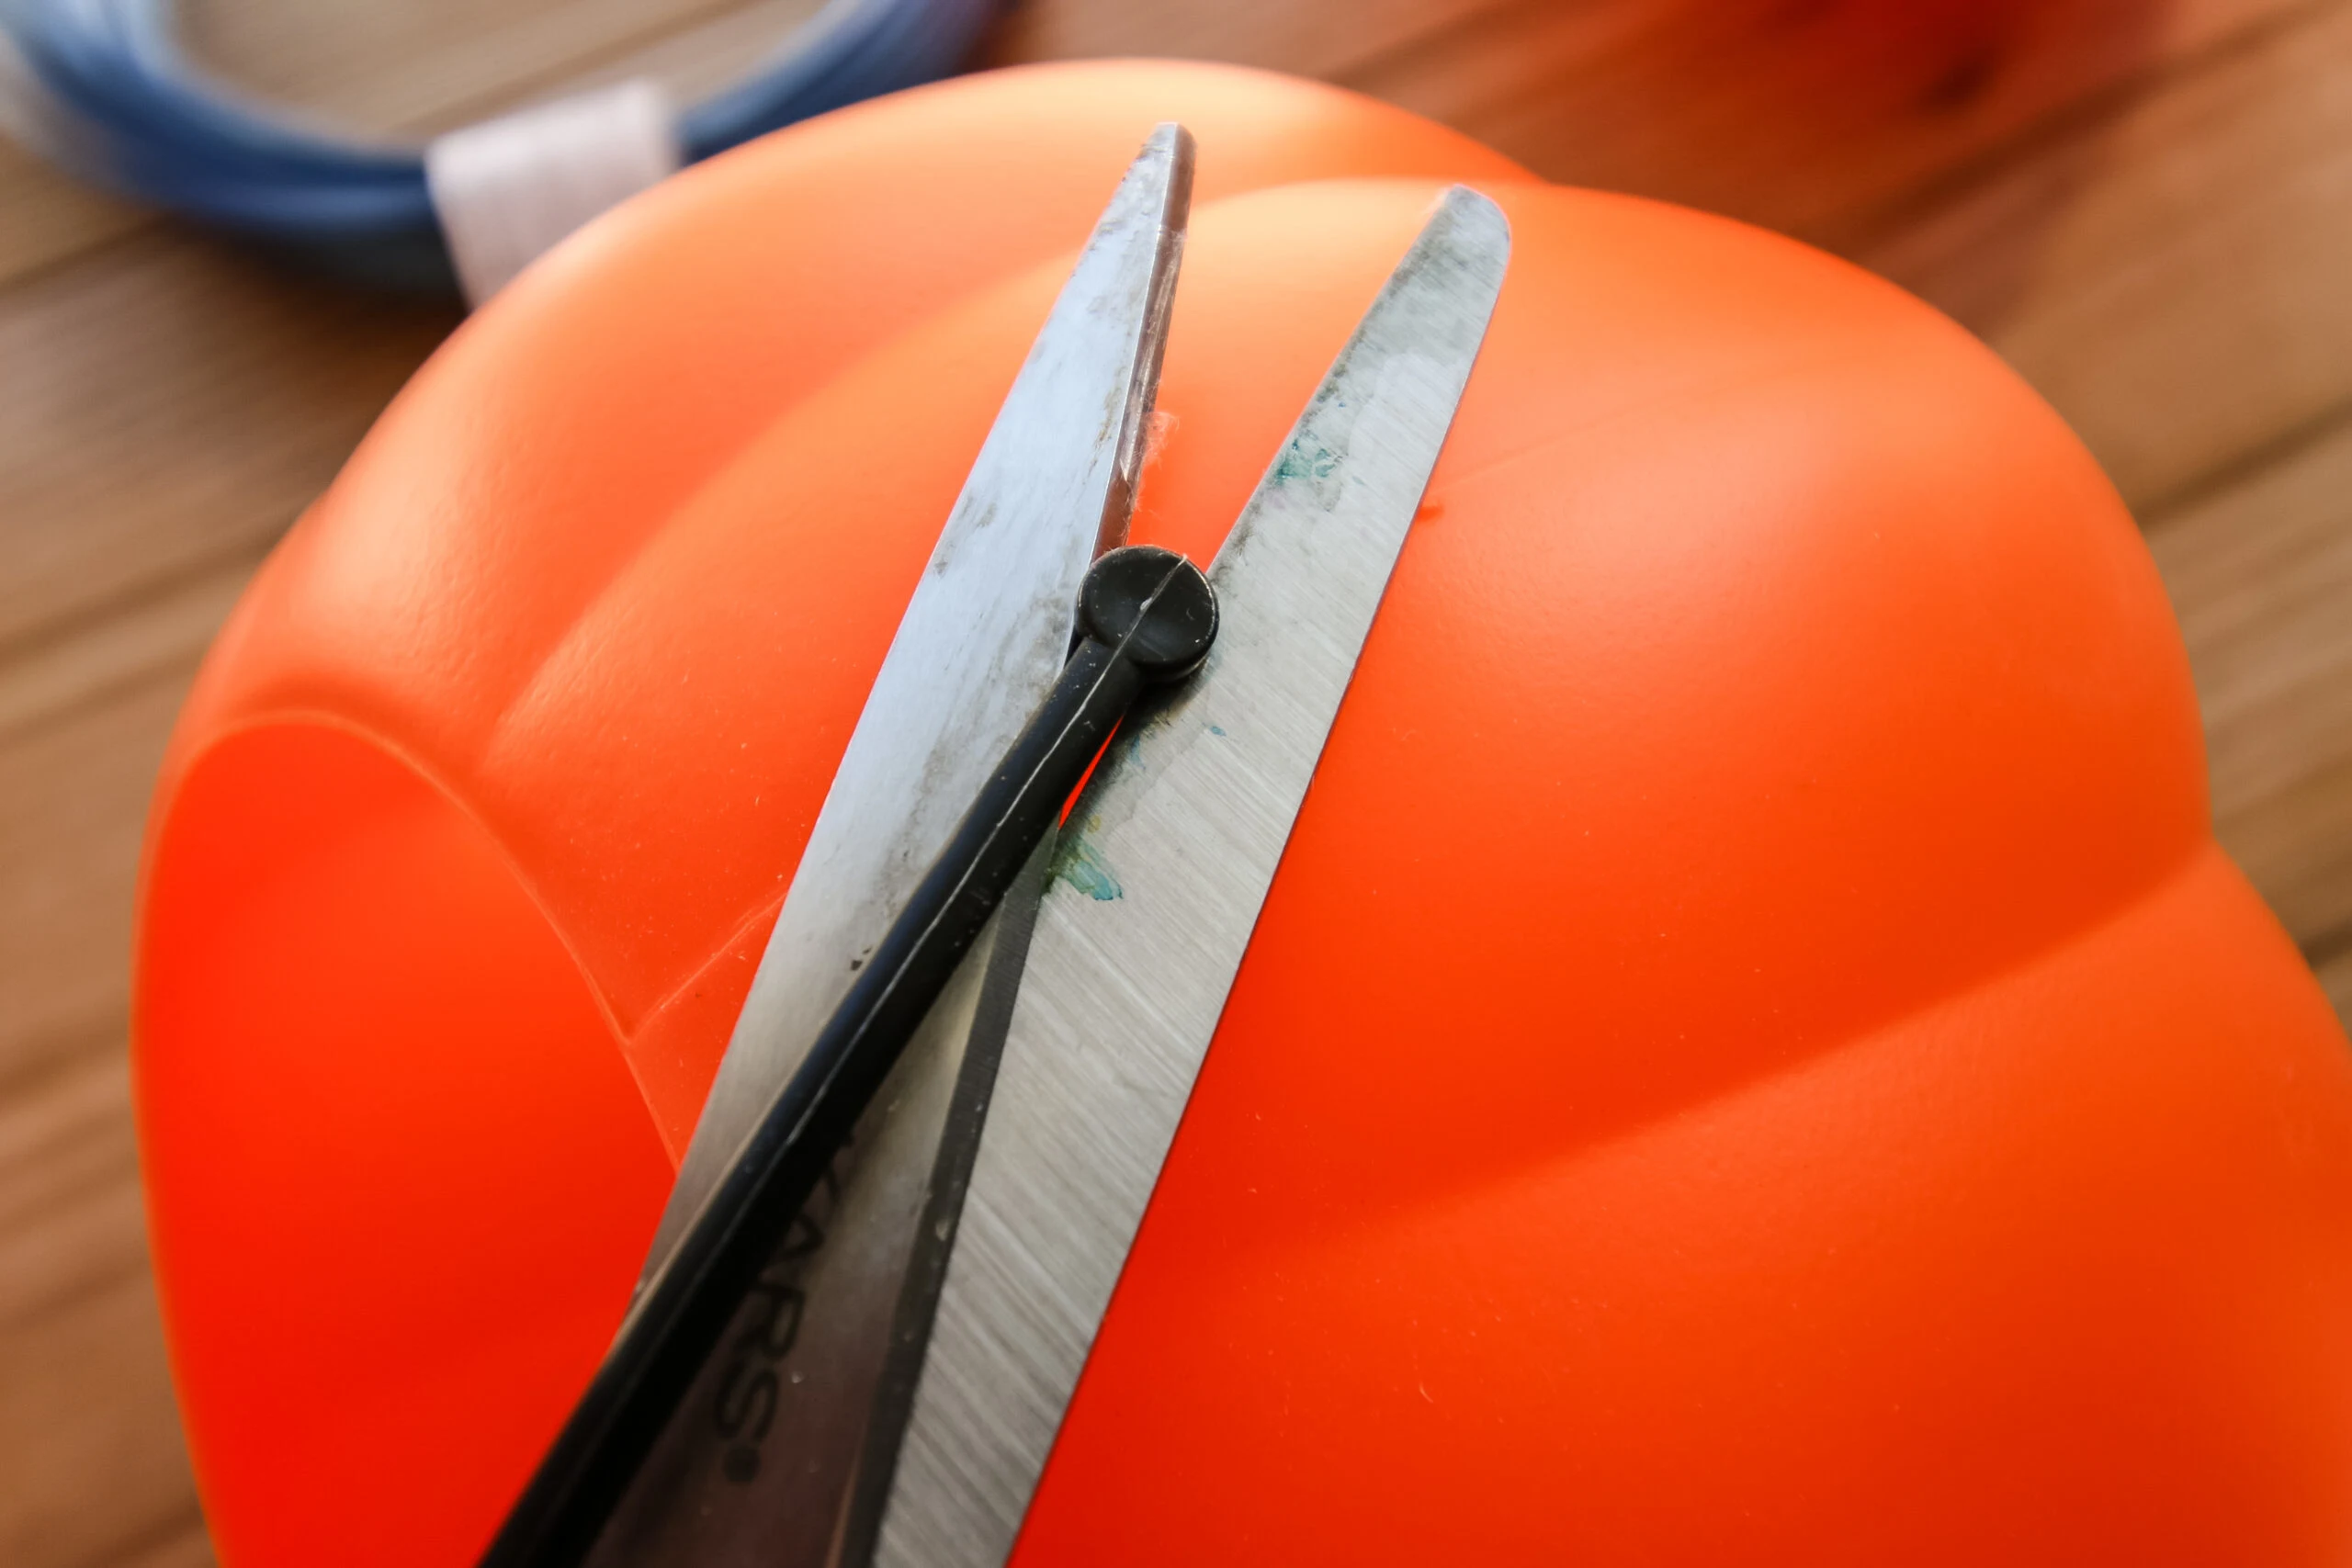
1752, 1054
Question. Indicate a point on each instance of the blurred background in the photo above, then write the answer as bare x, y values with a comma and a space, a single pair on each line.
2144, 205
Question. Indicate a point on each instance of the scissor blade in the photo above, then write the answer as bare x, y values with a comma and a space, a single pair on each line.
979, 646
1120, 995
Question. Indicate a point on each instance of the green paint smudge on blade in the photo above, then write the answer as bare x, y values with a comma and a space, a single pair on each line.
1077, 863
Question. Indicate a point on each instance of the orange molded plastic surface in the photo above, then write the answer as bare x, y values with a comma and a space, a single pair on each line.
1751, 1055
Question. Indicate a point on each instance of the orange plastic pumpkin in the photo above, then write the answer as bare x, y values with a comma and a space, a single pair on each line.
1752, 1054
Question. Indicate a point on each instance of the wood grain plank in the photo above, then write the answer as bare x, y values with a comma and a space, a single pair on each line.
168, 405
1807, 119
72, 803
2173, 278
2260, 574
1306, 38
2335, 978
1804, 117
97, 1473
180, 1543
430, 64
82, 722
70, 1222
96, 1470
46, 218
136, 641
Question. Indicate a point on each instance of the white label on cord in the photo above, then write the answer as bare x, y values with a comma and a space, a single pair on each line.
508, 188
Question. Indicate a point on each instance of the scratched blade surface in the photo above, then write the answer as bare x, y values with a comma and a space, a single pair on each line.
1177, 839
766, 1464
980, 644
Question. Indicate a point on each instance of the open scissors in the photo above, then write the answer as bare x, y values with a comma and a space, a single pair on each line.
952, 1087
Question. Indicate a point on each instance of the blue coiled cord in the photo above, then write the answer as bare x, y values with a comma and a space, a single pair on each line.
104, 90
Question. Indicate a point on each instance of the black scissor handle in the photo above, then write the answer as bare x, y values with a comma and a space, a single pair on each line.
1145, 615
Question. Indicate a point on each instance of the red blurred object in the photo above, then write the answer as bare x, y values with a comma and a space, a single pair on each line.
1752, 1054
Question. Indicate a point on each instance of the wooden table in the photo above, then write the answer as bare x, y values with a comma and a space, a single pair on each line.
2145, 205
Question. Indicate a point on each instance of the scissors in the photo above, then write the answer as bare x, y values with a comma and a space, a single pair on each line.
963, 1059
